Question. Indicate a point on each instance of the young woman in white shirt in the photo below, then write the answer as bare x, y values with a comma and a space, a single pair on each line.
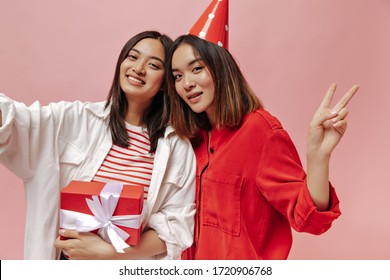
49, 146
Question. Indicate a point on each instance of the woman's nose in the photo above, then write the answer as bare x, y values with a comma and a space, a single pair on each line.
139, 68
188, 84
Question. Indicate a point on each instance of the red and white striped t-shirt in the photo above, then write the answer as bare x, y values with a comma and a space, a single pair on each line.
132, 165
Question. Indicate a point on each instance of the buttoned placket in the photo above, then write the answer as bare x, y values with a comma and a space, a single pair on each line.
201, 169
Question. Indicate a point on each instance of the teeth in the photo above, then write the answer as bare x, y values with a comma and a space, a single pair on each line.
194, 95
135, 80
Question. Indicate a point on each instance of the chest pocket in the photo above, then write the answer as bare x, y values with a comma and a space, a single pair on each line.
173, 175
70, 158
221, 201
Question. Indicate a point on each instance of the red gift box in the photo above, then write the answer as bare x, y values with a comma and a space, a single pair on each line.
76, 199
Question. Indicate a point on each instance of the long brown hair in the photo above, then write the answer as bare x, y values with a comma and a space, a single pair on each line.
233, 97
153, 116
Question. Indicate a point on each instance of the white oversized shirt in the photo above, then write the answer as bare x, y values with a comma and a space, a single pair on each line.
48, 146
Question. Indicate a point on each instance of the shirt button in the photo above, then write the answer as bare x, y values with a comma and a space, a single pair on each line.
211, 151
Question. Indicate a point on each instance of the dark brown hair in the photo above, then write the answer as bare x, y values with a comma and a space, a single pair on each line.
153, 116
233, 97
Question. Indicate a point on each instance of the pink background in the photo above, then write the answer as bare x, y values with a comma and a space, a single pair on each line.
290, 51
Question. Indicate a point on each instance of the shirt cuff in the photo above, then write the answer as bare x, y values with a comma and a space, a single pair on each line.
308, 214
159, 223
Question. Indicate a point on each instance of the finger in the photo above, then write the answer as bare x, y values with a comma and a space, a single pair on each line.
341, 115
325, 103
322, 118
65, 254
60, 244
340, 126
346, 98
68, 233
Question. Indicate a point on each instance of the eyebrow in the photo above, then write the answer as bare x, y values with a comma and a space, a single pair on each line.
152, 57
189, 64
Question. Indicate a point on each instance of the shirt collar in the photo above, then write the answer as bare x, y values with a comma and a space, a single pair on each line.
101, 112
168, 131
99, 109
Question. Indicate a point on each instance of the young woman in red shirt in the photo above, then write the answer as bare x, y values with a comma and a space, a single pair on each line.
251, 186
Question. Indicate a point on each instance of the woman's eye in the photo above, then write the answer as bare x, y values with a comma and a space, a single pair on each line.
176, 77
197, 69
155, 66
131, 57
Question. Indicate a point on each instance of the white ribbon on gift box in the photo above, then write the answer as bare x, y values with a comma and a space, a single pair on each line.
102, 218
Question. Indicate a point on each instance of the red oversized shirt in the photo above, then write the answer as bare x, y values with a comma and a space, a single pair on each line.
251, 190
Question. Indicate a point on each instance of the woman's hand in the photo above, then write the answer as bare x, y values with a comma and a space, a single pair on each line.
84, 246
328, 124
325, 132
90, 246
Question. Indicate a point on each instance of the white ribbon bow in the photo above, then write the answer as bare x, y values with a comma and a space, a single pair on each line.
102, 219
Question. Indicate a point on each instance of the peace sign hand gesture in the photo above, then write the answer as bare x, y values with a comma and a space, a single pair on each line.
328, 124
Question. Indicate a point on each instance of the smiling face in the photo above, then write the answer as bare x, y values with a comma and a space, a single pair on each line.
142, 72
193, 81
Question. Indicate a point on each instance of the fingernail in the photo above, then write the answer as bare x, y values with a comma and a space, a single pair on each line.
61, 231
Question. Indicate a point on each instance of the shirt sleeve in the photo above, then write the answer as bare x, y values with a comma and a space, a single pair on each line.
24, 133
29, 135
282, 180
174, 223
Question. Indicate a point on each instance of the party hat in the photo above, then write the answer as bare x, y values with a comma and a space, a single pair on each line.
213, 24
